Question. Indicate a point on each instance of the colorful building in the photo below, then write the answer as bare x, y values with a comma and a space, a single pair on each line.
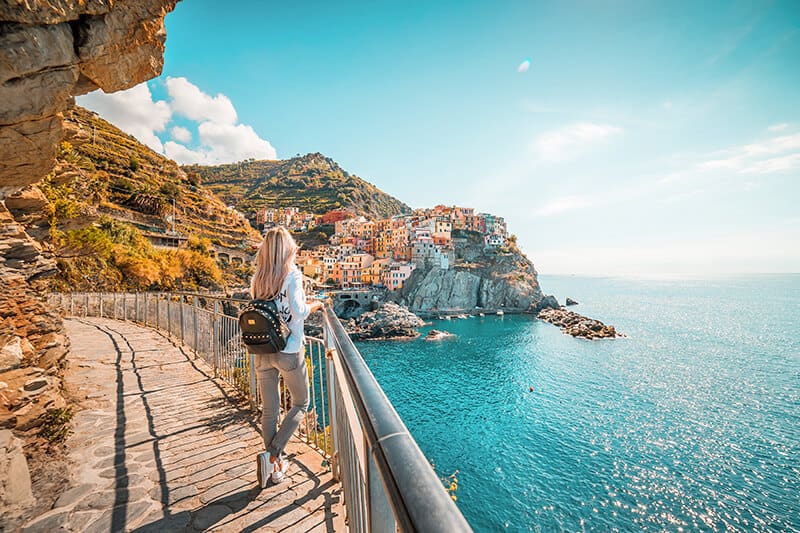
396, 274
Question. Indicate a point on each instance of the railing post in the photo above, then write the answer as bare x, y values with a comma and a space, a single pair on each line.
215, 338
194, 324
158, 310
145, 308
169, 315
180, 302
100, 297
125, 306
86, 301
71, 304
331, 378
115, 305
253, 382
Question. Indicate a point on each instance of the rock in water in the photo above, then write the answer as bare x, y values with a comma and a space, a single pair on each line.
577, 325
435, 335
570, 301
390, 321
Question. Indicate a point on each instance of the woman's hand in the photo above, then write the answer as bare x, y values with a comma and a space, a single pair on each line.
315, 305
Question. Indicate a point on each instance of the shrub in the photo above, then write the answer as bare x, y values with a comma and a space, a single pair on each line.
170, 190
55, 428
200, 245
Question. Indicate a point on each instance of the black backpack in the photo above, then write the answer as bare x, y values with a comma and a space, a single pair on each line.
263, 329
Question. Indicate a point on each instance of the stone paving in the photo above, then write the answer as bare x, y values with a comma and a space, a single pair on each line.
159, 446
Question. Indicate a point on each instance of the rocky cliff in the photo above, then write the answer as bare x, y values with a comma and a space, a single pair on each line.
51, 50
487, 279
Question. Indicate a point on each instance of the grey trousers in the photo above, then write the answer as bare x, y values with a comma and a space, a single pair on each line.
292, 366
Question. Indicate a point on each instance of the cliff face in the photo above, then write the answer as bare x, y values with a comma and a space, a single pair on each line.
492, 280
51, 50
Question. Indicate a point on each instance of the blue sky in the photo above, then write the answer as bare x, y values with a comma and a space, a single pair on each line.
644, 138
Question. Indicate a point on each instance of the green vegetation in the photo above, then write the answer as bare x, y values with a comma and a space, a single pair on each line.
55, 429
110, 193
313, 183
112, 255
316, 237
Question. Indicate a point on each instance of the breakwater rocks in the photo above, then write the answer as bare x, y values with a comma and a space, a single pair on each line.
436, 335
578, 325
390, 321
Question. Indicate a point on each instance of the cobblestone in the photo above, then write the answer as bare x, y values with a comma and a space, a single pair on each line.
158, 446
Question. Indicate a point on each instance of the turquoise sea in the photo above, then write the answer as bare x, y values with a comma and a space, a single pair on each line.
692, 423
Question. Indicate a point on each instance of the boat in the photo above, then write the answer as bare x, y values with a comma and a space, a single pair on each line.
500, 313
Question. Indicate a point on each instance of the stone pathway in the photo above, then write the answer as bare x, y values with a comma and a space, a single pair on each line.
158, 446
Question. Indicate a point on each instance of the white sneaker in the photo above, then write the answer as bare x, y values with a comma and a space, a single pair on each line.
263, 468
279, 470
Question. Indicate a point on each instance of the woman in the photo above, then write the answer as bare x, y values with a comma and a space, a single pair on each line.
278, 278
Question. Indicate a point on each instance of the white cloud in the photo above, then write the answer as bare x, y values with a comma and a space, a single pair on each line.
188, 100
566, 141
183, 155
778, 127
222, 143
220, 138
561, 205
133, 111
776, 154
181, 134
524, 66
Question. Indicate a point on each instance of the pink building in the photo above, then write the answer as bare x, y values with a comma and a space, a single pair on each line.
396, 275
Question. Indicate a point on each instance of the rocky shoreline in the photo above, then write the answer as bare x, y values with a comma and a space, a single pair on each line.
389, 321
577, 325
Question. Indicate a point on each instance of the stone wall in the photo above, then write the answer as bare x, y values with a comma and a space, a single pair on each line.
50, 51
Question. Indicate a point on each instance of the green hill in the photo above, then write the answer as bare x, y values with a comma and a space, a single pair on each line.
314, 183
110, 196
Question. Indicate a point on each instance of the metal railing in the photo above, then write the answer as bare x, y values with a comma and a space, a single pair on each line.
388, 483
209, 326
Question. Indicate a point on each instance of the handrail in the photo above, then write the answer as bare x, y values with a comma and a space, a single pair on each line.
415, 493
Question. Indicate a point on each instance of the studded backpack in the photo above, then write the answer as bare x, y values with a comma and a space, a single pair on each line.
263, 329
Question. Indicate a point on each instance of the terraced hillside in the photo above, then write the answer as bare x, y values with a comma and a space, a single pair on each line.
109, 191
314, 183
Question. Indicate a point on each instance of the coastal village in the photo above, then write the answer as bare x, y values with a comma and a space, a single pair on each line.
383, 253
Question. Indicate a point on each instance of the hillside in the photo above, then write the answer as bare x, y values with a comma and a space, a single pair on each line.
109, 192
314, 183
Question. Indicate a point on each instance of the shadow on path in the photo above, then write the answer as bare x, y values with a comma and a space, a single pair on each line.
197, 450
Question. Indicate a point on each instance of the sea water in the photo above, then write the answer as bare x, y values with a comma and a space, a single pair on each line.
690, 423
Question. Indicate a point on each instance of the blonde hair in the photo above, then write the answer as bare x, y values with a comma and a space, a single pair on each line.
274, 260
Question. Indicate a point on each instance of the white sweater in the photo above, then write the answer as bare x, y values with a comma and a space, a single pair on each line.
294, 310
